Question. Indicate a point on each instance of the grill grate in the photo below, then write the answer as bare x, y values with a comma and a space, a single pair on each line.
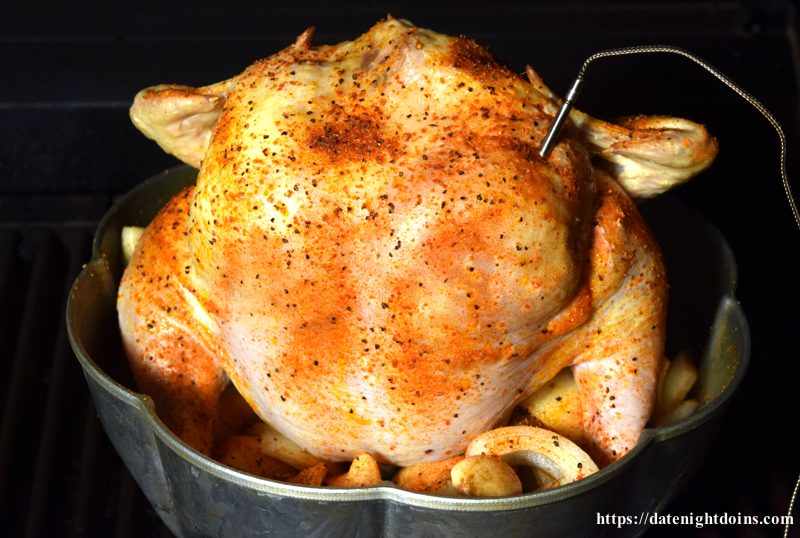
59, 475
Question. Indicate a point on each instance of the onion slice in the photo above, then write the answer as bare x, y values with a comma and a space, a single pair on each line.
554, 455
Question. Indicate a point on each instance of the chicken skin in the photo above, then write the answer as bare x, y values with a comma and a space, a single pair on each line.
379, 260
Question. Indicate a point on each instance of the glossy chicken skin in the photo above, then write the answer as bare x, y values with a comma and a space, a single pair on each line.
379, 260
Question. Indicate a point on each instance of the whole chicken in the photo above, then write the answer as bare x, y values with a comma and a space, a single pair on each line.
378, 258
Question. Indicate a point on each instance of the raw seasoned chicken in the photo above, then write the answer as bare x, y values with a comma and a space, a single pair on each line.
379, 260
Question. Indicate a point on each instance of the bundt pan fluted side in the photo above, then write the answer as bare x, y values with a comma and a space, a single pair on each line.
196, 496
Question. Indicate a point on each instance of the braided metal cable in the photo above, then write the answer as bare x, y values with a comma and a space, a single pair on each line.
667, 49
791, 509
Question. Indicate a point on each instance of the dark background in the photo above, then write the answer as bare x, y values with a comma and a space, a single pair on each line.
68, 74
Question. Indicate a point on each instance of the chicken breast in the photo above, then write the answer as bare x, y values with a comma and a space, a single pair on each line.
379, 260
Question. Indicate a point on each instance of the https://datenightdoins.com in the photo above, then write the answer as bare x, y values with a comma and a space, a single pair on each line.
691, 519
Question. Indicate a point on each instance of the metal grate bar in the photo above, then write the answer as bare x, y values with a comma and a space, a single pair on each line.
8, 289
84, 503
18, 398
58, 394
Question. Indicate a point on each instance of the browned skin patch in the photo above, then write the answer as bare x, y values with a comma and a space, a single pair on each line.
476, 60
347, 137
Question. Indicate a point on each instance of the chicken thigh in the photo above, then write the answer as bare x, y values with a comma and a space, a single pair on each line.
379, 260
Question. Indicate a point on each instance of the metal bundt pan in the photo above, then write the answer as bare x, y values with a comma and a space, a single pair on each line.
196, 496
